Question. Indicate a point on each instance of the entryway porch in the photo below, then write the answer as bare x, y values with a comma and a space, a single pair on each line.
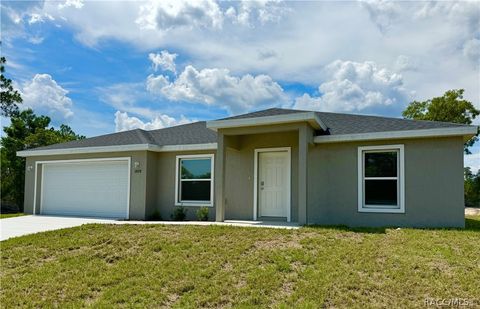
261, 173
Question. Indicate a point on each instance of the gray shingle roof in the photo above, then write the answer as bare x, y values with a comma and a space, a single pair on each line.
266, 112
192, 133
198, 133
350, 124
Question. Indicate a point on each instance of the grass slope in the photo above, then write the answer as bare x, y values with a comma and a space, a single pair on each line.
5, 216
215, 266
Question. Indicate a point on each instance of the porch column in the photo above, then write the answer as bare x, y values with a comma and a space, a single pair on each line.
305, 138
220, 179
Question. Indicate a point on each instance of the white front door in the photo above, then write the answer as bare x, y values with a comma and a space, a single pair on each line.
273, 183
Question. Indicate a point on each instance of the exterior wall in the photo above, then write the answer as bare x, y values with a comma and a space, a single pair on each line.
239, 172
433, 184
137, 182
163, 191
151, 185
433, 180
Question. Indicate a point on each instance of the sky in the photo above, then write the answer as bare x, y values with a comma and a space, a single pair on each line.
107, 66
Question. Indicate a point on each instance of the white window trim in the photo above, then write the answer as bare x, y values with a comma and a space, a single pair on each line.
177, 180
400, 178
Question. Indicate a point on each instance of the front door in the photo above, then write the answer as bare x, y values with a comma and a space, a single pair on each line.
273, 184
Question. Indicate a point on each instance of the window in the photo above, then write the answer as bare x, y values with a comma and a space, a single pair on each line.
194, 180
381, 179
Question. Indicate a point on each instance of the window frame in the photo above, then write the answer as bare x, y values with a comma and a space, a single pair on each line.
178, 179
400, 207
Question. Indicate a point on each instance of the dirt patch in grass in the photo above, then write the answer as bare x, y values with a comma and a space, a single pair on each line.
278, 244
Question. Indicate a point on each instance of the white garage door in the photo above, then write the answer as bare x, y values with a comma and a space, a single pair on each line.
86, 188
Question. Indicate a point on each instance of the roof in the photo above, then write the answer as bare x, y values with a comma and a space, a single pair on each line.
267, 112
192, 133
272, 116
350, 124
339, 123
198, 133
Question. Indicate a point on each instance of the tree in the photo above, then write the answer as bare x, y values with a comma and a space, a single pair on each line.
451, 107
472, 188
26, 130
9, 97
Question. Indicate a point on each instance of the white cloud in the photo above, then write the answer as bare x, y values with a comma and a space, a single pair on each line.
155, 84
218, 87
405, 63
471, 50
170, 14
473, 161
36, 39
461, 16
124, 122
249, 12
438, 37
15, 15
382, 13
163, 60
45, 96
147, 24
35, 18
127, 97
78, 4
134, 105
354, 86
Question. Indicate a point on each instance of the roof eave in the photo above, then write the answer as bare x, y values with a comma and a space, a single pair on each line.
116, 148
310, 117
466, 132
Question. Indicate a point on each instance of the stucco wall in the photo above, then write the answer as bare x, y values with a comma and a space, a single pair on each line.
137, 181
151, 185
433, 184
164, 188
239, 172
433, 181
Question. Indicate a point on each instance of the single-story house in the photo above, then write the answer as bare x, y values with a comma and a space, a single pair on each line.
276, 164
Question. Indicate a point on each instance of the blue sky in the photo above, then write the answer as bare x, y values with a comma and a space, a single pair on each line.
107, 66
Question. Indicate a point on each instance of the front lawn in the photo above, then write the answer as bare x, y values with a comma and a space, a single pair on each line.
5, 216
218, 266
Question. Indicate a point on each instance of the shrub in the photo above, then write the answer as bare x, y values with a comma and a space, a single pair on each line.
202, 214
155, 216
179, 213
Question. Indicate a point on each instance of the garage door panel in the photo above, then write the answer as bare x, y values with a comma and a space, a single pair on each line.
93, 188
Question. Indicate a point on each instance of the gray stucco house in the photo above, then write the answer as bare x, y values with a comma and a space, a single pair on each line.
276, 164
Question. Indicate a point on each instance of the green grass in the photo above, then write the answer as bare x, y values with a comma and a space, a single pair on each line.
4, 216
218, 266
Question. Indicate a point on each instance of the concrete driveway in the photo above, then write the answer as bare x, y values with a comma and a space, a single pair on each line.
19, 226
